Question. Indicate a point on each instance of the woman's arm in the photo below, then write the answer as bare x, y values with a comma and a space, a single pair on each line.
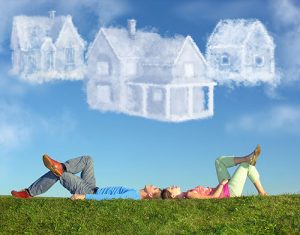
216, 194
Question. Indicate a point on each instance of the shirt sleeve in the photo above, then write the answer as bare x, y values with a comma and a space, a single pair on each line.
127, 195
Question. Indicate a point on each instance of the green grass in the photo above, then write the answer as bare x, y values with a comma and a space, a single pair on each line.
244, 215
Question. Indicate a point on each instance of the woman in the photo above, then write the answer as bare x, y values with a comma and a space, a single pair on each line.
228, 186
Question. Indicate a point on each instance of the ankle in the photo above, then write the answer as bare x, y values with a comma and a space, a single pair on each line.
28, 192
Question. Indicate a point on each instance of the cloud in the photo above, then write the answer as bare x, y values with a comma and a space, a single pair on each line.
286, 20
215, 10
13, 126
282, 18
19, 126
279, 119
104, 10
286, 12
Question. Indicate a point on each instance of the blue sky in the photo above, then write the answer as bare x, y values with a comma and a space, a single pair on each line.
54, 117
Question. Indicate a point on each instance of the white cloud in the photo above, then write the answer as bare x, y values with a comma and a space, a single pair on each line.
13, 127
19, 126
286, 20
13, 135
108, 10
279, 119
105, 10
214, 10
286, 12
282, 15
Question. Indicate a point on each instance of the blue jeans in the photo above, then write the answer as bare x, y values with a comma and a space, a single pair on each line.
85, 184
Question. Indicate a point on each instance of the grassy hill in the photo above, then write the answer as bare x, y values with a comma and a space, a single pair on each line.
244, 215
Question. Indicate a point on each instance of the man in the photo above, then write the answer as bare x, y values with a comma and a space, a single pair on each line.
83, 187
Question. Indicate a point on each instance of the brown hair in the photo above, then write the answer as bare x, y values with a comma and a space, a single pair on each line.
157, 195
165, 194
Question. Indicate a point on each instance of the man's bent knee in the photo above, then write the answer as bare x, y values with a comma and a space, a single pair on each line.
88, 159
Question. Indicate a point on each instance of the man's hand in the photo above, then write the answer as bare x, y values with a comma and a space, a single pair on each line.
224, 182
78, 196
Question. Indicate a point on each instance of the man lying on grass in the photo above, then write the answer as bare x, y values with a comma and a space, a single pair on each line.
83, 187
228, 186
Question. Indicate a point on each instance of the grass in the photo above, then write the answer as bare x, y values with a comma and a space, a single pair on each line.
244, 215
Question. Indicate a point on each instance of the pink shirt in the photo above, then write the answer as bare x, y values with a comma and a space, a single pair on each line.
207, 191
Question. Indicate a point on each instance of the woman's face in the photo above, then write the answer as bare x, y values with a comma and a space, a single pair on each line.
174, 190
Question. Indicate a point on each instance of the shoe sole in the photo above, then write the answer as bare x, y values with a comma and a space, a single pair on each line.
49, 165
16, 195
256, 155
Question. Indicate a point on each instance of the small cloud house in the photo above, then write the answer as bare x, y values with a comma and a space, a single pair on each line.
241, 51
47, 48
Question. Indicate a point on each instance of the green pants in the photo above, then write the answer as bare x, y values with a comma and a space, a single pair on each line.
237, 181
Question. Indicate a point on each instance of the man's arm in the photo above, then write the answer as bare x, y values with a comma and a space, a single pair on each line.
131, 194
78, 197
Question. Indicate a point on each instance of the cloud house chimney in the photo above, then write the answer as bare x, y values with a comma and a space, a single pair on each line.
51, 14
131, 28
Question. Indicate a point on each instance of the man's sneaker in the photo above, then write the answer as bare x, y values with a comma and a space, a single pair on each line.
21, 194
54, 166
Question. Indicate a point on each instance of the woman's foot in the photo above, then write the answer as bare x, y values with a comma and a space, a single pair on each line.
264, 194
254, 155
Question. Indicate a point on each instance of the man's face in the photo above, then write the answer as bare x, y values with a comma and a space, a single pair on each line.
174, 190
151, 190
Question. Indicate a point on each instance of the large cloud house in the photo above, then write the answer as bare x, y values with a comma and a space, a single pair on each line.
47, 48
139, 72
144, 74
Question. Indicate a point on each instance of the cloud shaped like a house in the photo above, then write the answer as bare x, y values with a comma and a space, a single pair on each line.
144, 74
47, 48
140, 72
242, 51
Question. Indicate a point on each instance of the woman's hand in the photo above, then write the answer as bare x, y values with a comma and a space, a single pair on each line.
77, 197
223, 182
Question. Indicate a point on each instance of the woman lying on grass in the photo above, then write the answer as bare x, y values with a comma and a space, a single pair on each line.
228, 186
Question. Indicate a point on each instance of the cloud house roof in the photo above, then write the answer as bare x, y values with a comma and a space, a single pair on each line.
30, 32
148, 47
234, 32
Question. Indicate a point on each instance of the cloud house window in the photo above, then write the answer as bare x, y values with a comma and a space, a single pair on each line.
225, 59
189, 70
157, 95
259, 61
103, 68
49, 60
70, 59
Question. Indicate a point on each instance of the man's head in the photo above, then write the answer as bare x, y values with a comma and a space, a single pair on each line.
151, 192
170, 192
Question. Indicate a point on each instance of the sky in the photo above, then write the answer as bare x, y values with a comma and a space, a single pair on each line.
55, 118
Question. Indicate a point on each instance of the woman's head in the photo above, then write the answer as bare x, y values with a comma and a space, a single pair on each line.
170, 192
